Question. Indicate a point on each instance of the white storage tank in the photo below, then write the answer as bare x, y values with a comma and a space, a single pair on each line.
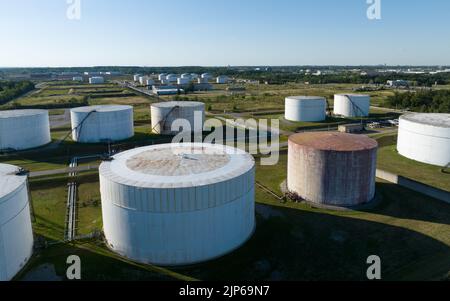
178, 204
150, 82
425, 138
143, 80
16, 234
194, 76
183, 81
305, 108
24, 129
186, 75
97, 124
222, 79
171, 78
136, 77
162, 76
206, 76
352, 105
165, 113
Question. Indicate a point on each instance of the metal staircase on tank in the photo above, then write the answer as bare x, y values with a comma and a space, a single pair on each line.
162, 123
356, 108
78, 128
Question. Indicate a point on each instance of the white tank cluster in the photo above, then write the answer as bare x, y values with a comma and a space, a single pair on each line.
164, 115
136, 77
97, 124
305, 108
24, 129
352, 105
178, 204
16, 234
425, 138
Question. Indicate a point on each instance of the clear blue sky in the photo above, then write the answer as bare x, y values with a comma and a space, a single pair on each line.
226, 32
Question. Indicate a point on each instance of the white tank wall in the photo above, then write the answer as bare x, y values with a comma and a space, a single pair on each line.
185, 110
305, 109
24, 129
113, 123
16, 234
343, 105
180, 225
423, 142
183, 81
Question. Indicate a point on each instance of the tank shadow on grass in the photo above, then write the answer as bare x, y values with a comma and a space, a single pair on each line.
293, 244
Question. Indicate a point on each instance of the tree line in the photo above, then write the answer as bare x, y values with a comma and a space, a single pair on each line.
430, 101
10, 90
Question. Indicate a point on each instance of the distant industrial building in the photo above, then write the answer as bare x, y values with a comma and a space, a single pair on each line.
398, 83
351, 128
166, 90
95, 80
77, 79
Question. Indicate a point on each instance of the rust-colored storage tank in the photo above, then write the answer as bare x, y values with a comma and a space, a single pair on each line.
332, 168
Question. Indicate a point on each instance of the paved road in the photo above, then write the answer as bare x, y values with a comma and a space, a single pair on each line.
57, 121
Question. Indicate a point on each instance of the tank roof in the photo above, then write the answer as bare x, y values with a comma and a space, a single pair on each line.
306, 97
102, 108
433, 119
177, 165
21, 113
170, 104
334, 141
9, 181
352, 95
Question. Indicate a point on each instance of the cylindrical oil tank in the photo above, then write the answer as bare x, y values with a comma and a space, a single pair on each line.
425, 138
186, 75
16, 234
305, 108
332, 168
183, 81
97, 124
178, 204
24, 129
162, 76
352, 105
165, 113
